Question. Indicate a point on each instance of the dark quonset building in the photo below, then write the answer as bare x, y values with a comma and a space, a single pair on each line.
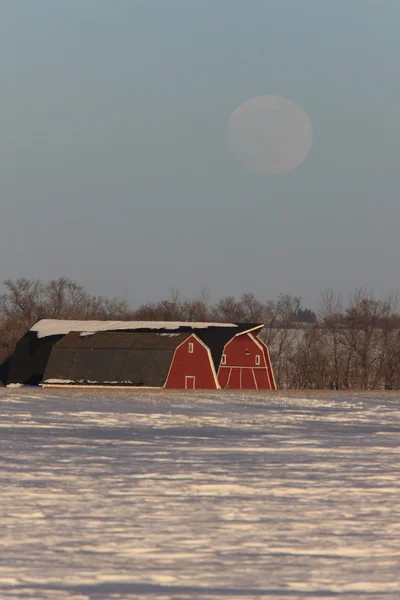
174, 355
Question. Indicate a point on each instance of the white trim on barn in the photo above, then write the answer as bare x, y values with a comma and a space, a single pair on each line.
266, 349
260, 368
255, 380
190, 378
210, 359
246, 332
193, 335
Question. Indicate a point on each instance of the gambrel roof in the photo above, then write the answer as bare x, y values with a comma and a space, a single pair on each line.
114, 358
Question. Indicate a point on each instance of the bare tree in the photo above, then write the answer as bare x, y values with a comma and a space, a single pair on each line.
281, 334
364, 317
308, 360
387, 362
331, 317
229, 310
25, 298
65, 299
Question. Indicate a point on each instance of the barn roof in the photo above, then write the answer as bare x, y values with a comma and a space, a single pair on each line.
127, 358
122, 339
216, 339
48, 327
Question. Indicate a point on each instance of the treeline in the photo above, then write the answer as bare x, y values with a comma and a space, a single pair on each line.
344, 346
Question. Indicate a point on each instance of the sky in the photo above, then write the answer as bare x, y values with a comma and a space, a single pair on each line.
115, 165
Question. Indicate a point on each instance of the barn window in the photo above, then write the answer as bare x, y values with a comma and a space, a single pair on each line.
191, 347
257, 359
223, 360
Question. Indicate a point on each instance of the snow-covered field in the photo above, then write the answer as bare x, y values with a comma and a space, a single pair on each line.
201, 496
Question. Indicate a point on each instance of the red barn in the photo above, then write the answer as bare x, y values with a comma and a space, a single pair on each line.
245, 364
172, 355
192, 367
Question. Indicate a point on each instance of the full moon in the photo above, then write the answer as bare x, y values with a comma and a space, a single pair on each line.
269, 134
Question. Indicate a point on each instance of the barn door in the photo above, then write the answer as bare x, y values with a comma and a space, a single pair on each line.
190, 382
235, 379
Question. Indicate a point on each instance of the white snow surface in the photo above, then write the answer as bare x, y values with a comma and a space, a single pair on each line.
60, 381
47, 327
155, 495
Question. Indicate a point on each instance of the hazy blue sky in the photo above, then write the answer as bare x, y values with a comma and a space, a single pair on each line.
115, 169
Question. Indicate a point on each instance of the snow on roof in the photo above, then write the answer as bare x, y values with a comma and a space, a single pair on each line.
47, 327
